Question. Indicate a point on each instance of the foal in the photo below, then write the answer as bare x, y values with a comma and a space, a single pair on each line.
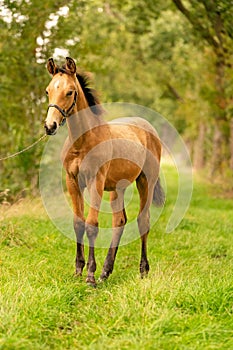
102, 157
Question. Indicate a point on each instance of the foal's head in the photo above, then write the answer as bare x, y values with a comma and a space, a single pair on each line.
62, 92
68, 93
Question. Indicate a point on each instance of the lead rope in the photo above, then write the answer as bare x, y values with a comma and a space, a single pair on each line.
24, 150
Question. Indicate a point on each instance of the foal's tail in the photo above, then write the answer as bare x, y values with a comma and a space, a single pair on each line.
158, 195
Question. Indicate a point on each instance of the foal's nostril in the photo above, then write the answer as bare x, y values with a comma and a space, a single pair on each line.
51, 130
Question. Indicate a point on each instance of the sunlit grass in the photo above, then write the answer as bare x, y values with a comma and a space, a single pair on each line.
185, 303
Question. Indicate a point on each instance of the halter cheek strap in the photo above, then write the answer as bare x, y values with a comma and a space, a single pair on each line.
64, 113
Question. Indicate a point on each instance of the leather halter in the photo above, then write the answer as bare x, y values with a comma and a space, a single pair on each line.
64, 113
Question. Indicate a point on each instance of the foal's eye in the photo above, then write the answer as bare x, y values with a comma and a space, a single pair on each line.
46, 92
69, 93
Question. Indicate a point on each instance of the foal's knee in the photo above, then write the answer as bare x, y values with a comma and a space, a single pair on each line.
143, 223
79, 228
119, 219
92, 232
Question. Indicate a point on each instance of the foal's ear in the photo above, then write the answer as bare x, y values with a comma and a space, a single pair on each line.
52, 67
70, 65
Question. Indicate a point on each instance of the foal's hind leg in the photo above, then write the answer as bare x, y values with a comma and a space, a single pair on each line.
118, 222
146, 195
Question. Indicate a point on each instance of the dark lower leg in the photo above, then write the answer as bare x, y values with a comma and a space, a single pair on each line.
119, 220
144, 227
80, 259
146, 194
91, 266
144, 264
110, 258
92, 232
79, 227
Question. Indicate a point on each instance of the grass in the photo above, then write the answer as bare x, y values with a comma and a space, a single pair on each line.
185, 303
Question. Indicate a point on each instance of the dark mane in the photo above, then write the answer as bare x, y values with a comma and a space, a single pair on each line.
89, 93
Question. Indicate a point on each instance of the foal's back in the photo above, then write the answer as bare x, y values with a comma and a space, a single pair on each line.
136, 145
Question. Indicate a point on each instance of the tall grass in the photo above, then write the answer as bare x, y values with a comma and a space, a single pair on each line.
185, 303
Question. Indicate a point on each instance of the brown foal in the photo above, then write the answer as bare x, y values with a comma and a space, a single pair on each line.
102, 156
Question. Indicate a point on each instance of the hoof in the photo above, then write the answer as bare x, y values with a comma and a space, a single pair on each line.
144, 269
144, 274
91, 281
102, 280
104, 276
78, 274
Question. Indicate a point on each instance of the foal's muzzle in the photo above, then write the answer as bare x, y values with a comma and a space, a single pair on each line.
52, 130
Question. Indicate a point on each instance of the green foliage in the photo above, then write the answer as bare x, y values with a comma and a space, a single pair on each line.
22, 90
157, 54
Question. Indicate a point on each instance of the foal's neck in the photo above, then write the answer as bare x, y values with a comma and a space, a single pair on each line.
83, 120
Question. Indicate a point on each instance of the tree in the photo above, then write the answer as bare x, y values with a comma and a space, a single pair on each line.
22, 88
211, 22
174, 57
203, 36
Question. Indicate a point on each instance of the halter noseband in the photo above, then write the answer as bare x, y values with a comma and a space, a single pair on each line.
64, 113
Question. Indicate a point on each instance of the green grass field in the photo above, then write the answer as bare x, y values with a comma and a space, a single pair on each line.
185, 303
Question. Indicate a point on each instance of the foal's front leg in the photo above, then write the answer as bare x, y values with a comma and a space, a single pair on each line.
96, 193
79, 221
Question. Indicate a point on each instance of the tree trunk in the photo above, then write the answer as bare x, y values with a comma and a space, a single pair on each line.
215, 33
231, 143
219, 141
199, 152
216, 160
